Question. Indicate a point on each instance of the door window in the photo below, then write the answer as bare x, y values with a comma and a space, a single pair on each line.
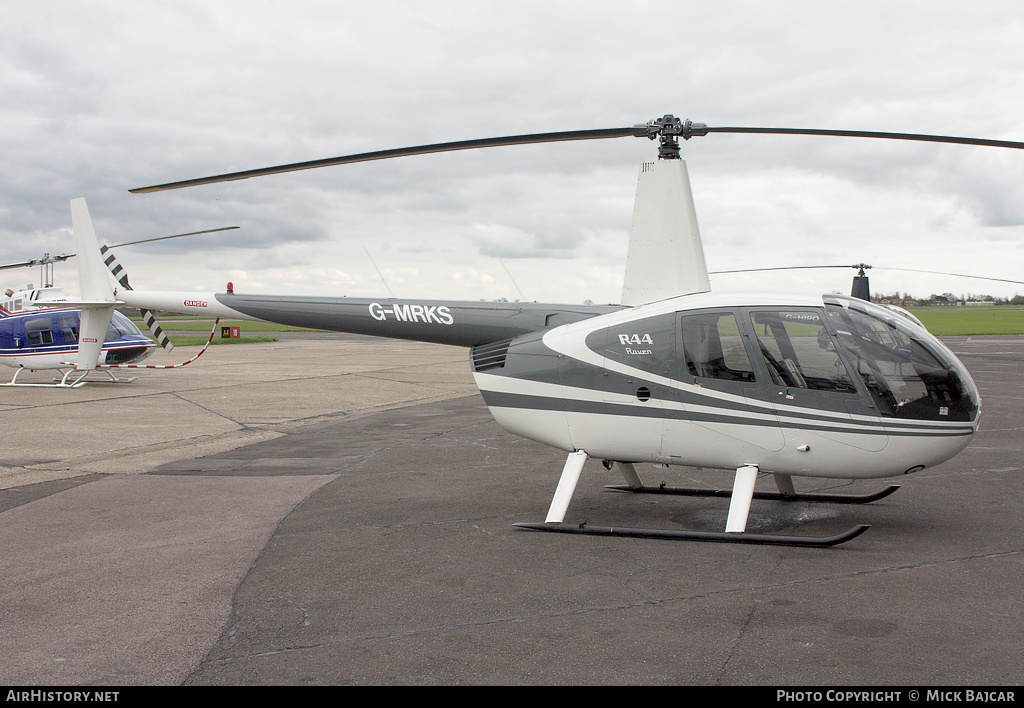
713, 347
39, 331
798, 351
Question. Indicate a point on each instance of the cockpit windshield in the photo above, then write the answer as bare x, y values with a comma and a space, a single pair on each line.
909, 373
121, 326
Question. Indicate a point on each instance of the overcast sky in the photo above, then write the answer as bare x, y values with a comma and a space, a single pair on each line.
97, 98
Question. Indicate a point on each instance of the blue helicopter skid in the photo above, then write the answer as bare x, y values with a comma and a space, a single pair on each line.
68, 380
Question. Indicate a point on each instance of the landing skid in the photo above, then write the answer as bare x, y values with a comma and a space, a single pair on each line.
741, 494
723, 537
71, 378
110, 378
778, 496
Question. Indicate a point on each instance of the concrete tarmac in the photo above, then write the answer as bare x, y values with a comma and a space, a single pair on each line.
332, 509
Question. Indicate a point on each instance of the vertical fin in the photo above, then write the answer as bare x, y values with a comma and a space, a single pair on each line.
666, 257
92, 273
628, 470
785, 484
94, 283
92, 331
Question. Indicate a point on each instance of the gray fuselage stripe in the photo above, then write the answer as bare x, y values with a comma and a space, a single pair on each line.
653, 409
792, 417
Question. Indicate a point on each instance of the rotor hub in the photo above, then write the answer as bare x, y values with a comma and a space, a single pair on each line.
669, 129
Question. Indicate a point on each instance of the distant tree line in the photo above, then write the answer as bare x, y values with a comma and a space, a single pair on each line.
945, 299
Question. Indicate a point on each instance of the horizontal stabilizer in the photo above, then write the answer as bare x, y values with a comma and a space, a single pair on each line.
95, 305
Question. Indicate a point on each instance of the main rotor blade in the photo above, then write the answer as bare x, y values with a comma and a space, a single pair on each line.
45, 260
57, 259
398, 152
957, 275
872, 134
762, 270
861, 265
164, 238
669, 128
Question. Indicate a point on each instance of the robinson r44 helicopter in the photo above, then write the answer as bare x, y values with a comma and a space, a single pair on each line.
785, 385
39, 327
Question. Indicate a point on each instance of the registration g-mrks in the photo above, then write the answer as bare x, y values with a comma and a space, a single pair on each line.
412, 312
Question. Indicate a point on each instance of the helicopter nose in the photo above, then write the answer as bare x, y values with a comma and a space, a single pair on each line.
129, 355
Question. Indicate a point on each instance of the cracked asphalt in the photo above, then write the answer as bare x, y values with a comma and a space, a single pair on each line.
339, 510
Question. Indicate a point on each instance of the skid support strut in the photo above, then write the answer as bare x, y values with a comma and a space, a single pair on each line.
566, 486
742, 493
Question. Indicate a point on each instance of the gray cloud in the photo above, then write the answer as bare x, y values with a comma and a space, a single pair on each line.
101, 97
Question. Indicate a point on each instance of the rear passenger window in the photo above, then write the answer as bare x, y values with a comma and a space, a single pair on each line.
39, 332
713, 347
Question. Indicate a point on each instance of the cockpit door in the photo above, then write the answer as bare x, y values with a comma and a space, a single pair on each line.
814, 393
717, 385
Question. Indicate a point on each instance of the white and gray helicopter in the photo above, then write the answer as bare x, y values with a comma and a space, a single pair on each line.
756, 384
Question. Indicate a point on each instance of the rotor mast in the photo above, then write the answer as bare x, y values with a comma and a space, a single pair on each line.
861, 288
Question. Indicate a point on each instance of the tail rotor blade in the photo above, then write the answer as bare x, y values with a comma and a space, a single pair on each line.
118, 271
121, 275
158, 332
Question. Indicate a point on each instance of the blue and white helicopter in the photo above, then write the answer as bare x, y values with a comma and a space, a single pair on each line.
40, 327
39, 330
